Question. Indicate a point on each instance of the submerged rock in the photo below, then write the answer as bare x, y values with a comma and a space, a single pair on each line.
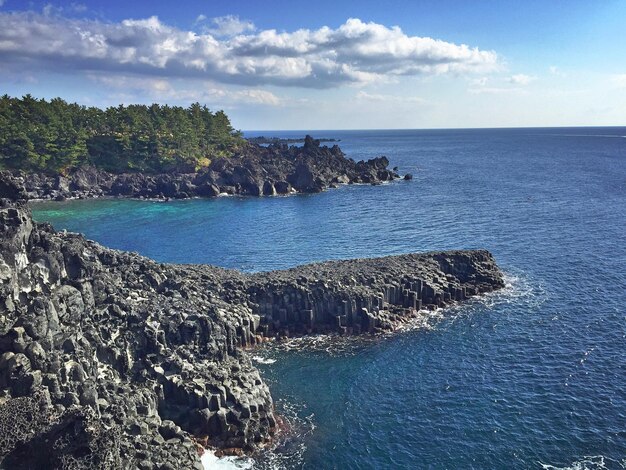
111, 360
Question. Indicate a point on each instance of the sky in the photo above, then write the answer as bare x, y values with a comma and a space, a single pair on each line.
327, 64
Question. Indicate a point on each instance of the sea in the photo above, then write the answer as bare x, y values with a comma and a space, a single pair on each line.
531, 377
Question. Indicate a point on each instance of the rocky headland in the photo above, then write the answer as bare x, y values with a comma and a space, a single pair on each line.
111, 360
255, 171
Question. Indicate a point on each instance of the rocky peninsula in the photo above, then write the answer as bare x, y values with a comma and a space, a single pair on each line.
254, 171
111, 360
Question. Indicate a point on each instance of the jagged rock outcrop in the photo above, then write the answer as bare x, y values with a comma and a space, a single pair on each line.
111, 360
146, 350
259, 171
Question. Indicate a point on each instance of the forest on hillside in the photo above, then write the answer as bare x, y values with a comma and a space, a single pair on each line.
55, 136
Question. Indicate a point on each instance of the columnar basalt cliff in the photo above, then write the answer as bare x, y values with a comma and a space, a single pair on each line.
111, 360
367, 295
257, 171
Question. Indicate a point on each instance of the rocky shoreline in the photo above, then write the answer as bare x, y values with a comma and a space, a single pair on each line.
282, 140
111, 360
258, 171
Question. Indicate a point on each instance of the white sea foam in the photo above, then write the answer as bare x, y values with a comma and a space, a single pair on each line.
211, 462
263, 360
594, 462
517, 288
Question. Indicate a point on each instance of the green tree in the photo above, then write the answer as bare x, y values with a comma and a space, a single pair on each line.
56, 136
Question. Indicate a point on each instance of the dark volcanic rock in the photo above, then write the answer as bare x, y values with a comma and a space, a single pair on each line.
35, 435
111, 360
11, 188
307, 169
278, 140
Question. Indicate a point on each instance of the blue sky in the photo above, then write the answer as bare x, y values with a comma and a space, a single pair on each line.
328, 64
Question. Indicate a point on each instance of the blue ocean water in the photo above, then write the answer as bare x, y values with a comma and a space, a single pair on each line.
531, 377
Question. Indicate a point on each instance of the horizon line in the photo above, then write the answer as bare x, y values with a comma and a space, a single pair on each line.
435, 128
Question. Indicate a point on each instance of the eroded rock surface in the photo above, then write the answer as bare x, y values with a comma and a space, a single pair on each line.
111, 360
258, 171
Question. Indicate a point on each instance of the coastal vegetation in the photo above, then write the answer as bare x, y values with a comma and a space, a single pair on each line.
56, 136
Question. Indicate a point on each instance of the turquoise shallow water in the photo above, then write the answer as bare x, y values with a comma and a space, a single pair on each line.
532, 377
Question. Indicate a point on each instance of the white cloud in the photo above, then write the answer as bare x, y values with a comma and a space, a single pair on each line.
74, 7
384, 98
229, 25
521, 79
78, 7
356, 52
497, 90
257, 96
49, 9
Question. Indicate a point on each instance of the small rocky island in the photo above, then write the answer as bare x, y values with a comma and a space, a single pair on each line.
111, 360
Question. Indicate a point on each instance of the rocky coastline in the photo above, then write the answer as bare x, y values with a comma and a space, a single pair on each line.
277, 169
111, 360
281, 140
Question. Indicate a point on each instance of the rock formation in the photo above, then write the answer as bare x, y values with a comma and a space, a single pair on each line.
261, 171
111, 360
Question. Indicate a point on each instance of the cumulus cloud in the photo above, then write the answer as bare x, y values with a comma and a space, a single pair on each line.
521, 79
229, 25
355, 52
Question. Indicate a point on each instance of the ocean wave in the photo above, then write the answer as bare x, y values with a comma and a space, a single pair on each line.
519, 288
595, 462
263, 360
211, 462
